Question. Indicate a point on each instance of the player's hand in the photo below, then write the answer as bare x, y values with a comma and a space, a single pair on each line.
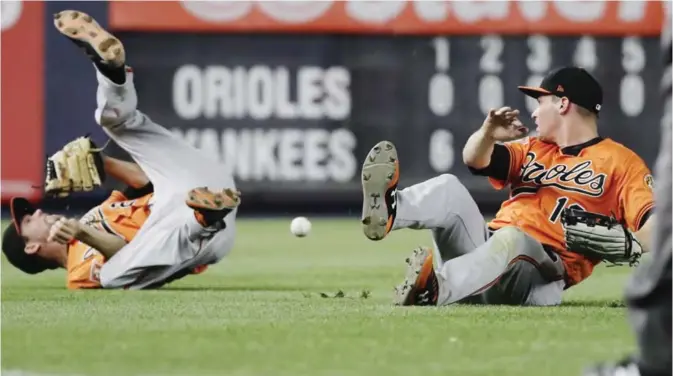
64, 230
504, 125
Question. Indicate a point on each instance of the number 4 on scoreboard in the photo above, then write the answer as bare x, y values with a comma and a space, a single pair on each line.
560, 205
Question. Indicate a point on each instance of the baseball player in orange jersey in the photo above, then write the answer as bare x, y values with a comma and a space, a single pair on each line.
537, 245
130, 242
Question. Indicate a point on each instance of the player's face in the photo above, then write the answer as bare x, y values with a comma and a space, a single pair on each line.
547, 118
35, 227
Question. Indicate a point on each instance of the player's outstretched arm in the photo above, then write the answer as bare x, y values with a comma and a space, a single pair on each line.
500, 125
128, 173
478, 149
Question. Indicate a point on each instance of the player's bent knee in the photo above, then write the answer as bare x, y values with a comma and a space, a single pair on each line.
454, 183
450, 179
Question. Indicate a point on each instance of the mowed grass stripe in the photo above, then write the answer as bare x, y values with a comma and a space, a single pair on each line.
261, 312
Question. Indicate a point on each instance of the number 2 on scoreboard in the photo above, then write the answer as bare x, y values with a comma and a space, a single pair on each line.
560, 205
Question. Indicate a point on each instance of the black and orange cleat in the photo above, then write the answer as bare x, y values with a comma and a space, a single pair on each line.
380, 176
211, 207
101, 46
420, 286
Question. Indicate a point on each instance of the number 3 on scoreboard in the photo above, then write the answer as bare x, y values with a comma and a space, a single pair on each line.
560, 205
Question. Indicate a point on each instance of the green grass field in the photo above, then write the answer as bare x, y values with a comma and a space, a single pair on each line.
260, 312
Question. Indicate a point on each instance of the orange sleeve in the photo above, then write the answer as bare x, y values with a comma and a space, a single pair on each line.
517, 154
636, 196
84, 264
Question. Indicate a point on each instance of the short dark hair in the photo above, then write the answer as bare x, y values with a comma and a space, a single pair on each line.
14, 248
13, 245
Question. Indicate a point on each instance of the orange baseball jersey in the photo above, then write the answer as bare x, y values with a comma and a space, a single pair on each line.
117, 216
602, 177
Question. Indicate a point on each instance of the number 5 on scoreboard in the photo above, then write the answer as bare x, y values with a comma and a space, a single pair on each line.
560, 205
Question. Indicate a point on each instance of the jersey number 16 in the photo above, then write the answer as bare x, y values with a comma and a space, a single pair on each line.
560, 205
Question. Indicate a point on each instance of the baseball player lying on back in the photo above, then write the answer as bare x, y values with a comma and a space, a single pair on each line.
167, 226
38, 241
576, 199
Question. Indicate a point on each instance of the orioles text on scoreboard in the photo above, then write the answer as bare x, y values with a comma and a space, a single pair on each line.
260, 92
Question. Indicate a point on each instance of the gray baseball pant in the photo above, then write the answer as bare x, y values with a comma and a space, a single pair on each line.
506, 267
171, 240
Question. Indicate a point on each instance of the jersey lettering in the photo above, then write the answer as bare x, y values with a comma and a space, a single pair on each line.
579, 178
122, 204
562, 203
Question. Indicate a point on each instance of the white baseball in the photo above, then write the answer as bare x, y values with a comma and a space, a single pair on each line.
300, 226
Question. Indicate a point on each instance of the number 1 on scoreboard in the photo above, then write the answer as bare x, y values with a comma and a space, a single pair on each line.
440, 88
442, 53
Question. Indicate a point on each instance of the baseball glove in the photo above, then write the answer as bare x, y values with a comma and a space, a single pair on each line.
75, 168
600, 237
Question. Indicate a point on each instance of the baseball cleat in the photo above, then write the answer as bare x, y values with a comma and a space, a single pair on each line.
420, 286
211, 207
85, 32
380, 176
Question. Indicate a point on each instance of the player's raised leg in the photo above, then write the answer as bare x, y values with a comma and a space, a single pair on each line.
176, 236
380, 176
441, 204
174, 166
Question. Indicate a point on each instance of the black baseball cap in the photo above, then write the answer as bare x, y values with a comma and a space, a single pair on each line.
13, 245
574, 83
